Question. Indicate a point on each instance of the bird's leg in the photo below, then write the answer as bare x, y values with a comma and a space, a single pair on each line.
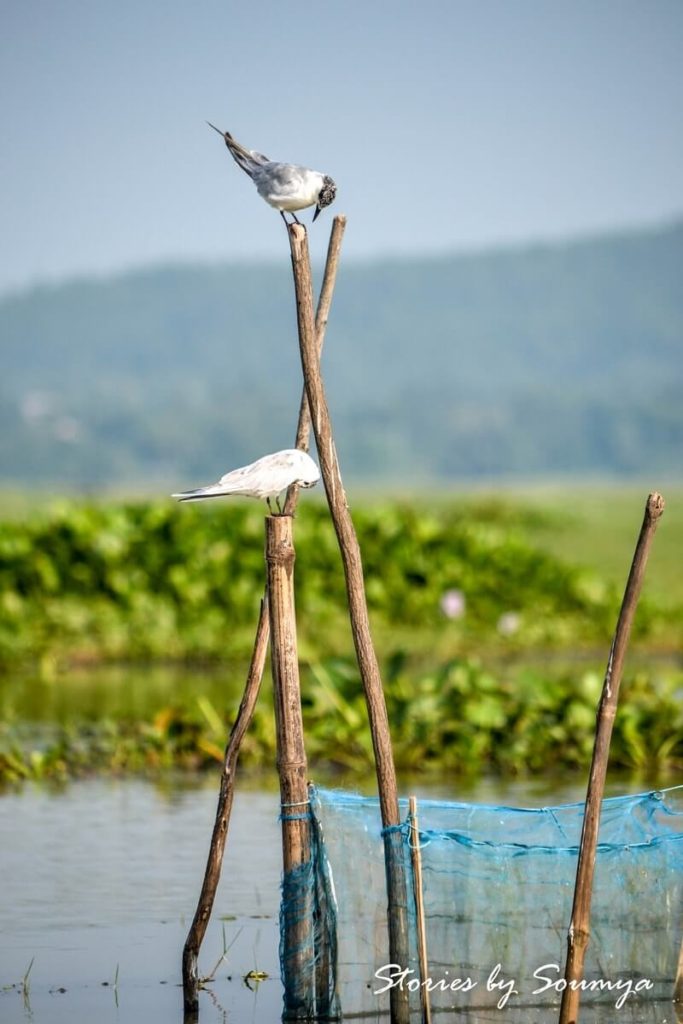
270, 508
277, 502
290, 222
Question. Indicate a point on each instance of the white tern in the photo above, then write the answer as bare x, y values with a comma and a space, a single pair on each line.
266, 478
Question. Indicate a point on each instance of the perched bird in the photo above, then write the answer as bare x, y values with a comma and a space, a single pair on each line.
265, 478
287, 187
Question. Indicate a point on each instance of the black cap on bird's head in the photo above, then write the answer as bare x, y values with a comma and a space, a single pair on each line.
326, 195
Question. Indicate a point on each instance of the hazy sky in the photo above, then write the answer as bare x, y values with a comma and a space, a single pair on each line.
446, 125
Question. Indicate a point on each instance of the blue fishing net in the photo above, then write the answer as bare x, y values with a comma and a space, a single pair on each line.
308, 931
498, 884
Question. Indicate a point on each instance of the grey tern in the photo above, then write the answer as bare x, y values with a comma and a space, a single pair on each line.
287, 187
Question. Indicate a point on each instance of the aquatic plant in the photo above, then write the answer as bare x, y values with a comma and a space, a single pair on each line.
456, 719
151, 580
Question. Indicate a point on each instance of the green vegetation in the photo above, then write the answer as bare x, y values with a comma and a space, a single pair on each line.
558, 358
457, 719
508, 683
591, 525
598, 526
154, 580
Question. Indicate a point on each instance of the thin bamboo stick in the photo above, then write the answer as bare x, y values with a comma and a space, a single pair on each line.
358, 612
303, 430
416, 856
579, 928
226, 793
298, 961
212, 873
678, 984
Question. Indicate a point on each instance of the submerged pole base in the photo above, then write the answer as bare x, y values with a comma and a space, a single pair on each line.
190, 988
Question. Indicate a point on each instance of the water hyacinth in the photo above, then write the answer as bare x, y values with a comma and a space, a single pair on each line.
119, 582
457, 716
509, 623
453, 604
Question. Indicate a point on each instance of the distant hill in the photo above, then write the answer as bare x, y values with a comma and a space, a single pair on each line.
563, 358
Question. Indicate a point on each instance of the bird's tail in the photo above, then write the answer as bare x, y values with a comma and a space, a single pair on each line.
215, 491
247, 159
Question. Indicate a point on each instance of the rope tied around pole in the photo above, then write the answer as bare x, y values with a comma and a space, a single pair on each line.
296, 817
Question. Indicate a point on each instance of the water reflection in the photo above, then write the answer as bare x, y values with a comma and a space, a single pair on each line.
115, 691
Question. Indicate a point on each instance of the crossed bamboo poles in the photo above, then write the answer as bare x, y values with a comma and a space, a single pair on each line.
313, 411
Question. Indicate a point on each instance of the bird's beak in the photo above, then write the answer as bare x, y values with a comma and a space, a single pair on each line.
216, 129
317, 211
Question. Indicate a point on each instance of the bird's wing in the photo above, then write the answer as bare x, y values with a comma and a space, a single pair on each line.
248, 159
283, 180
239, 481
214, 491
266, 477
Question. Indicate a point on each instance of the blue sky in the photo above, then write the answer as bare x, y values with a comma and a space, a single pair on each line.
447, 125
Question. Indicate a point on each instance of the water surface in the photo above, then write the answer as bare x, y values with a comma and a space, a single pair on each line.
104, 875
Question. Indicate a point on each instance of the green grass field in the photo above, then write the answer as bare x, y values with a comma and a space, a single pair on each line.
600, 527
597, 525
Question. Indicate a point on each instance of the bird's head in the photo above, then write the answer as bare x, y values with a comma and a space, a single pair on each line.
309, 473
305, 472
326, 195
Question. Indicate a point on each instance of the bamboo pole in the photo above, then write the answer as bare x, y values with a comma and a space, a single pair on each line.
226, 793
579, 928
298, 959
358, 612
678, 984
212, 873
416, 856
303, 430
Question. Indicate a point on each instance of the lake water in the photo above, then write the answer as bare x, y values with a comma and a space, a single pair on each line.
102, 876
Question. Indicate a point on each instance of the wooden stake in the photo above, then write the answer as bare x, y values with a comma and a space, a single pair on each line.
678, 984
298, 961
579, 928
214, 862
212, 873
358, 612
416, 855
303, 430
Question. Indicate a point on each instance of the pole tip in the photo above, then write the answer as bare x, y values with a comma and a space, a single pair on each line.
655, 505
